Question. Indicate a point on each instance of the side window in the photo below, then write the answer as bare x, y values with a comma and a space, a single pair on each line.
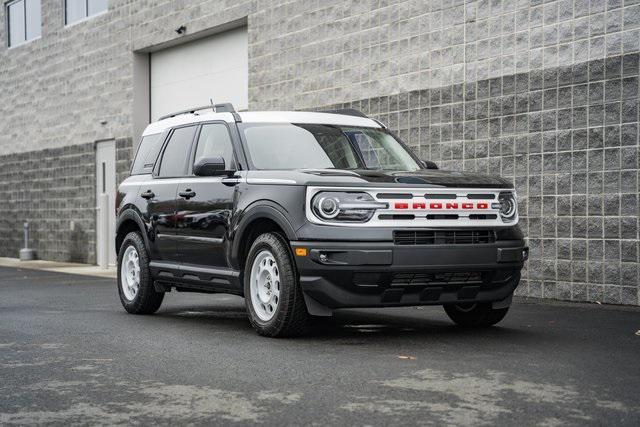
24, 20
76, 10
147, 154
174, 159
214, 141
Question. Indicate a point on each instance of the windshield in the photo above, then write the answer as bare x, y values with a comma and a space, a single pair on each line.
311, 146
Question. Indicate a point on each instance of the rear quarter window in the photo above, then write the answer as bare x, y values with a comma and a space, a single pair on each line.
147, 154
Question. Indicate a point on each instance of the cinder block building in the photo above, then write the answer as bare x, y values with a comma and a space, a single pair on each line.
544, 93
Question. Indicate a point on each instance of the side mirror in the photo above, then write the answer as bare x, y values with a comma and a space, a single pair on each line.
209, 166
428, 164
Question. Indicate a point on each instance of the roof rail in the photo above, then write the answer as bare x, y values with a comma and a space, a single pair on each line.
217, 108
347, 112
356, 113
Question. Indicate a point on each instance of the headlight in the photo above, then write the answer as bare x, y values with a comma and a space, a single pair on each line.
343, 206
508, 206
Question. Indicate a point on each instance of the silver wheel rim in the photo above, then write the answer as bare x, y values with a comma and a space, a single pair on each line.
130, 273
265, 285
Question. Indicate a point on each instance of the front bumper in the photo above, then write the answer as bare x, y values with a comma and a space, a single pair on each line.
351, 274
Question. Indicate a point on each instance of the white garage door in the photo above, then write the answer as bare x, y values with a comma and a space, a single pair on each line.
191, 74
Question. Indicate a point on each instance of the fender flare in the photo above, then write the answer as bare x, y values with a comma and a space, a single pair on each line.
258, 210
133, 214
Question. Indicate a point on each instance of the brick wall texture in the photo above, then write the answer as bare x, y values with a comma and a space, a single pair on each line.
543, 92
53, 190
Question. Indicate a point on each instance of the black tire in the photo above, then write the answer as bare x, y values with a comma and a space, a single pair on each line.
477, 315
147, 300
290, 317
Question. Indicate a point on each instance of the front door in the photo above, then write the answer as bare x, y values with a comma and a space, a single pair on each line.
205, 203
106, 202
160, 194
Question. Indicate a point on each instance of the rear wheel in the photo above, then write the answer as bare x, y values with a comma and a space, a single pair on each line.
135, 285
475, 314
273, 297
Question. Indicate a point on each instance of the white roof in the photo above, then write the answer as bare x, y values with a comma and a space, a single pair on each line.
306, 117
263, 117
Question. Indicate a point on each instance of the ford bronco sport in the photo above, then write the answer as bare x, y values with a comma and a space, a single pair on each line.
306, 212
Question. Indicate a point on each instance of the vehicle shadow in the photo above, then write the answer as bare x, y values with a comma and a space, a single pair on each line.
361, 326
405, 323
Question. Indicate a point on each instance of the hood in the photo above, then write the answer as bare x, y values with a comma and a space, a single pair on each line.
423, 177
377, 178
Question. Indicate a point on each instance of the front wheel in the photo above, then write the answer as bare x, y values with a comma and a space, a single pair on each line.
135, 285
273, 297
475, 314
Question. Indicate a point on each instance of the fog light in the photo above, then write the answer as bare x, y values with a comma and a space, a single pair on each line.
525, 254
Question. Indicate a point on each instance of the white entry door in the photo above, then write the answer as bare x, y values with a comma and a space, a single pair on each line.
106, 195
191, 74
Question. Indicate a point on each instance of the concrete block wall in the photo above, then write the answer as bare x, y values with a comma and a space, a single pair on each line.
543, 92
575, 170
62, 92
54, 190
50, 189
124, 157
74, 84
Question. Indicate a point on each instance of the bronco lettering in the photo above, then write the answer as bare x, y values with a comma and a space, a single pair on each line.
438, 205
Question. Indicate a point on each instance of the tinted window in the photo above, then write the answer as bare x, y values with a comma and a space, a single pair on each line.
289, 146
214, 141
147, 154
314, 146
174, 159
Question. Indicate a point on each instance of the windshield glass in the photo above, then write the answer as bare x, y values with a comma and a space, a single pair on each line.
311, 146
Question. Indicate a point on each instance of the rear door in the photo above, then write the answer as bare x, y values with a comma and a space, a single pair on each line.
160, 194
205, 203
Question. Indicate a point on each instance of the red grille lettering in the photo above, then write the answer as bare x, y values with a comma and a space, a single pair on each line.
441, 205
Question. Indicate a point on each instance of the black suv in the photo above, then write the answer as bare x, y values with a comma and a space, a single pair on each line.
305, 212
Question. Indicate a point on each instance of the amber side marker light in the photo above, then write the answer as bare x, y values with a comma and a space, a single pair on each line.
301, 251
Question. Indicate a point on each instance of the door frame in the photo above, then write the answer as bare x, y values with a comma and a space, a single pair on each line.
106, 147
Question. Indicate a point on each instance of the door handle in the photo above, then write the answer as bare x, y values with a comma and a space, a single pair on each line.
148, 195
230, 181
187, 194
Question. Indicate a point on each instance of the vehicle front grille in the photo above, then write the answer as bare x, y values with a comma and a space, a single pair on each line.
443, 237
422, 279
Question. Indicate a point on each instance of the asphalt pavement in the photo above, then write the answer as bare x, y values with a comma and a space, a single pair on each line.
69, 354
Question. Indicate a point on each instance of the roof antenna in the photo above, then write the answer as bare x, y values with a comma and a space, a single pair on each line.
213, 107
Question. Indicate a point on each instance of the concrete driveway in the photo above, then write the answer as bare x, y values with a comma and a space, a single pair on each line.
69, 354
